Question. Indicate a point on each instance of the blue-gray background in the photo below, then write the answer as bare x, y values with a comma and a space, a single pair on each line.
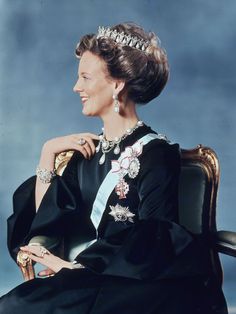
38, 70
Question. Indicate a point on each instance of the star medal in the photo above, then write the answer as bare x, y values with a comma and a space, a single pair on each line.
121, 213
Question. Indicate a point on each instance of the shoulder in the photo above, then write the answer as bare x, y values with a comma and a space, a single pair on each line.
159, 153
158, 145
160, 163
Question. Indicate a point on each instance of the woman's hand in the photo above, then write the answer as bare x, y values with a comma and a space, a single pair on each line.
82, 142
41, 255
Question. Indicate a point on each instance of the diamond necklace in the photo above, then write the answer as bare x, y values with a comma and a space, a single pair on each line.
106, 146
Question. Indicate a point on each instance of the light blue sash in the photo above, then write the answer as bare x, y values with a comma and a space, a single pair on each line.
111, 180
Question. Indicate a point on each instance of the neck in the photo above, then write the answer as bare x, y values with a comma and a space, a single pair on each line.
115, 125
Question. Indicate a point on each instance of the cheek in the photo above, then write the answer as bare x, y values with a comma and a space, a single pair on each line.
105, 98
88, 89
102, 94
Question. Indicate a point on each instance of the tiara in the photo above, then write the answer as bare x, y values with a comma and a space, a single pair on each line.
123, 39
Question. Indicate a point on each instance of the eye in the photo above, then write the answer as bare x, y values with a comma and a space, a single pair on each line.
85, 77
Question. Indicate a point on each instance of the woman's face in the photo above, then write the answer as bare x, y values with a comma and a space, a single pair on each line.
94, 87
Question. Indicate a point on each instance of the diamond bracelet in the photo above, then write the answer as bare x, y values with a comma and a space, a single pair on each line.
45, 176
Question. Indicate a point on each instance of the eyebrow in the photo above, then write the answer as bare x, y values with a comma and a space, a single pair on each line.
82, 73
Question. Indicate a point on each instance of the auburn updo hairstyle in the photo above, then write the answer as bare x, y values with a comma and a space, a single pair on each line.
145, 73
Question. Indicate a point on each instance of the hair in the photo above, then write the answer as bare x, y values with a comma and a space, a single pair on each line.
145, 73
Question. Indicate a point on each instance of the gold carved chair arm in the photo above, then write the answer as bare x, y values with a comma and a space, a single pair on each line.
23, 260
26, 265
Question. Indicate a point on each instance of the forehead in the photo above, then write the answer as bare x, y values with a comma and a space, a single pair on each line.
91, 63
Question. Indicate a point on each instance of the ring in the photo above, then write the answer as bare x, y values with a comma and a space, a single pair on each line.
81, 141
43, 251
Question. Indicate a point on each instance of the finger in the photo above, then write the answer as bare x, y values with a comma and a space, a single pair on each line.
82, 149
88, 148
38, 250
37, 259
41, 260
89, 140
45, 260
30, 249
46, 272
91, 144
51, 261
85, 149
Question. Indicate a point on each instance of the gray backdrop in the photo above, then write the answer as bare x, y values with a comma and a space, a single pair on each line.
38, 70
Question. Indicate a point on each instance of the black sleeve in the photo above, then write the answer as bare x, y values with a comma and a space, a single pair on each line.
58, 201
151, 247
158, 182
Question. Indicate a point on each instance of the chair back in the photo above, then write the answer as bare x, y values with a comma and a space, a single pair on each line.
198, 188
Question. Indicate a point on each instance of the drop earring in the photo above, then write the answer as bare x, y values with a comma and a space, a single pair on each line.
116, 105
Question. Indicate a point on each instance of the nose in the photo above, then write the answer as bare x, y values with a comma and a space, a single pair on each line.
77, 88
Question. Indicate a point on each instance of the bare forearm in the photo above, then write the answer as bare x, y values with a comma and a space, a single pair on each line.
47, 161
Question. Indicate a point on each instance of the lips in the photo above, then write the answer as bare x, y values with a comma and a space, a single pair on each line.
84, 99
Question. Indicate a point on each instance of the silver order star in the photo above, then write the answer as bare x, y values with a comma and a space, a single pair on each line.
121, 213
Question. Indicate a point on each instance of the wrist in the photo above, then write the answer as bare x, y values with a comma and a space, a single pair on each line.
47, 158
45, 176
76, 265
67, 265
47, 149
70, 265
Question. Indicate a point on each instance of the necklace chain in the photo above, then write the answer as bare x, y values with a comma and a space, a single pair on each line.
106, 146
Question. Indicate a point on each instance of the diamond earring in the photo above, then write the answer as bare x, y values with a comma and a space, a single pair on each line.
117, 105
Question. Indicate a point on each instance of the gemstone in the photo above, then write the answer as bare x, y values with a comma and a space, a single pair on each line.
117, 139
117, 109
140, 123
117, 150
97, 147
102, 159
105, 144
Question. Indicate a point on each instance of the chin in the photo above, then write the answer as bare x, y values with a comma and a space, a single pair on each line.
88, 113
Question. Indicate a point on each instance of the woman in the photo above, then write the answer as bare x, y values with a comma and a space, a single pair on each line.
118, 195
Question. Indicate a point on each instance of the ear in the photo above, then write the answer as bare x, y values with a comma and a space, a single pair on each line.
118, 87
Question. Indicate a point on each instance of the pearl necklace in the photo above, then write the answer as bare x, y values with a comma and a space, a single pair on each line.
106, 146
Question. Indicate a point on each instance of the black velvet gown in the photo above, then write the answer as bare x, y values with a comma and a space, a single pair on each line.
141, 261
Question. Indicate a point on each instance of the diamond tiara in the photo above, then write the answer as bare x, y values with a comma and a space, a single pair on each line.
123, 39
